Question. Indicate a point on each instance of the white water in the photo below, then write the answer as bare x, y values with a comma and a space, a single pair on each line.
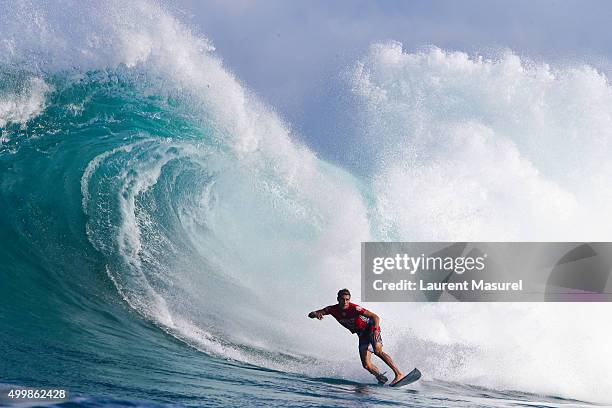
22, 104
500, 149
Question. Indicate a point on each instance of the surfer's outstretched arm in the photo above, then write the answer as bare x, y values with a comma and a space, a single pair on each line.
318, 314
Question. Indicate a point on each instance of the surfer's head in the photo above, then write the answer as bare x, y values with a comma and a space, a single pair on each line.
344, 297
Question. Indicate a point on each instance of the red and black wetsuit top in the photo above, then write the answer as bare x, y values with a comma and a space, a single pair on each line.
352, 317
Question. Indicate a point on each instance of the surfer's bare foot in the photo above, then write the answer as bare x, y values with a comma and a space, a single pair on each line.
398, 377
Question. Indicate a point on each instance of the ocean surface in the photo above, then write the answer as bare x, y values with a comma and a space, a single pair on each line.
164, 233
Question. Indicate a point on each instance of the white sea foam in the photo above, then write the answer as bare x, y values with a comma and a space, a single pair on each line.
469, 148
24, 104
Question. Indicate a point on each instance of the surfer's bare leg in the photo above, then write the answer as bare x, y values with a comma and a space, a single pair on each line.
366, 362
388, 361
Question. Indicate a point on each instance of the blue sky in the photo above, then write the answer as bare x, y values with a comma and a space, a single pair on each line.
292, 54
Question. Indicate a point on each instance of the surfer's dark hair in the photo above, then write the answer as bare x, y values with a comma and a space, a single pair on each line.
343, 292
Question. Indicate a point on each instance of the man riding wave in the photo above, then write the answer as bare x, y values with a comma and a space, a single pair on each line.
367, 326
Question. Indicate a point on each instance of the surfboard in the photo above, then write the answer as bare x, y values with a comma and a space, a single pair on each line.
408, 379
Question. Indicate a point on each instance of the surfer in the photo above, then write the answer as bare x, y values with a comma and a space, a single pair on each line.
367, 326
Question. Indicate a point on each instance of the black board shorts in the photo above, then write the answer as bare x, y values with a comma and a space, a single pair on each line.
368, 339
